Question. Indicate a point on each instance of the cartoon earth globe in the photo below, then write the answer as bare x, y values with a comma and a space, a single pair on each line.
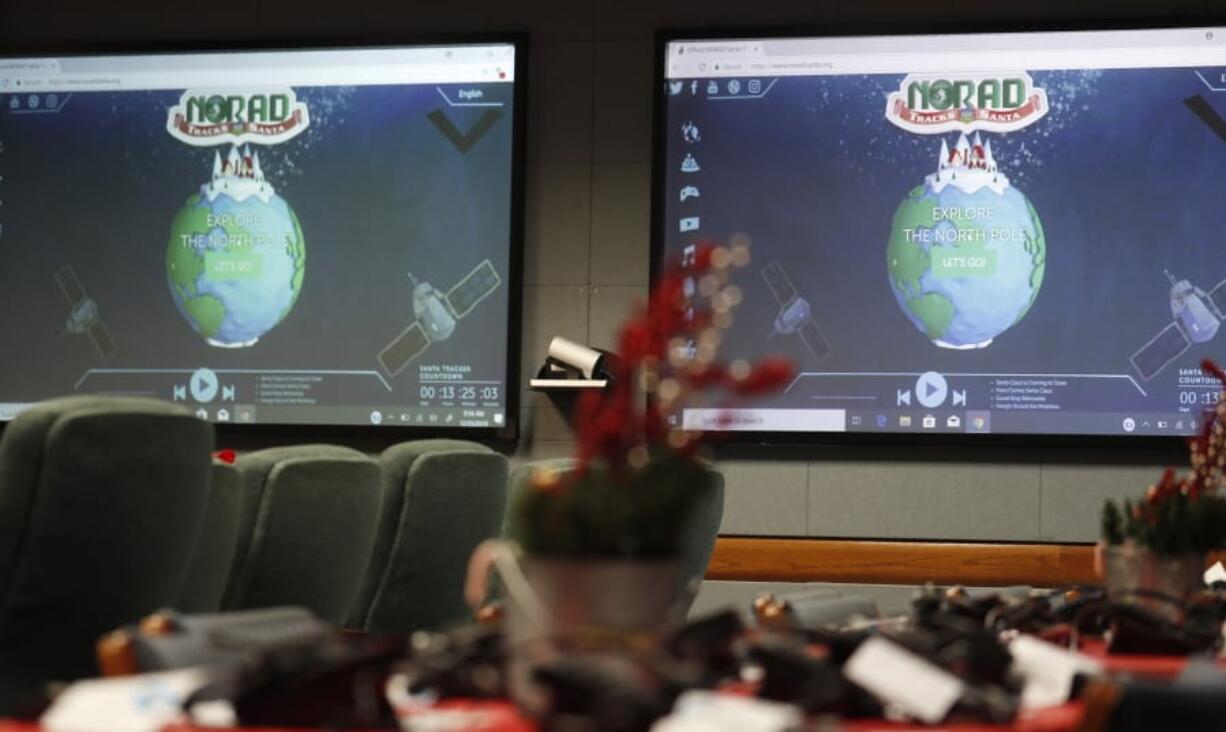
236, 255
967, 254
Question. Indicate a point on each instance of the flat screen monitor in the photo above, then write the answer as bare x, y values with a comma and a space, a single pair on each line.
309, 236
1018, 233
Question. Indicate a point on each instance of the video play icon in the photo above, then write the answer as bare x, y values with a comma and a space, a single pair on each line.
203, 385
931, 389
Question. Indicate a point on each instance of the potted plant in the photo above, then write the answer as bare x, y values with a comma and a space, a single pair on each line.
599, 546
1153, 549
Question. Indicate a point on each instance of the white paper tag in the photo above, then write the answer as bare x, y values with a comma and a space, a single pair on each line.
904, 680
710, 711
1048, 670
1216, 573
144, 703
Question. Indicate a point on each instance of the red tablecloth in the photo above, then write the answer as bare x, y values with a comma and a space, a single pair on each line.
1064, 718
1152, 667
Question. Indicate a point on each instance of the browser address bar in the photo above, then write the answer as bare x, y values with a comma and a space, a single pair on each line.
230, 79
957, 61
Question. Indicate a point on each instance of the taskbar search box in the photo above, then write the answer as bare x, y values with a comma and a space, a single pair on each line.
765, 420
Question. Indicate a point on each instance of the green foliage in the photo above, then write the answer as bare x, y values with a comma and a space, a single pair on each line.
634, 513
1113, 524
1174, 525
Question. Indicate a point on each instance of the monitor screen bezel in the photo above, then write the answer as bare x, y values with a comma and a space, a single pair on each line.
1142, 447
368, 437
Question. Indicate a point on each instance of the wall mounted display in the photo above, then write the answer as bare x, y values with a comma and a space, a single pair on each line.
308, 236
994, 233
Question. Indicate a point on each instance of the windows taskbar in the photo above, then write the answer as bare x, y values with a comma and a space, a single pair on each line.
968, 421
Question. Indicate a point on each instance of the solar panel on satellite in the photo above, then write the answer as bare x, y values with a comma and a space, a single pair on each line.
1217, 296
1168, 345
101, 336
405, 347
778, 282
814, 340
66, 278
475, 287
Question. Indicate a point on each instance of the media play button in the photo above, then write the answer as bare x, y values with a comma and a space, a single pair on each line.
931, 389
203, 385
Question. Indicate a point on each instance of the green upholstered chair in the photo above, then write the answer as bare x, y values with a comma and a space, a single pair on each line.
100, 507
698, 535
206, 577
441, 498
306, 527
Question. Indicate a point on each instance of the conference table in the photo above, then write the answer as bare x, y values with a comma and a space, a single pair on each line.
502, 716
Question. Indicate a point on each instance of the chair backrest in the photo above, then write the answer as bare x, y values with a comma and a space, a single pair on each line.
101, 501
206, 577
441, 499
396, 462
521, 480
306, 529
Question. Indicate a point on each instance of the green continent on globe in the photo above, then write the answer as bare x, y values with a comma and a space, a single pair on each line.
207, 312
908, 261
183, 263
1036, 247
295, 250
935, 311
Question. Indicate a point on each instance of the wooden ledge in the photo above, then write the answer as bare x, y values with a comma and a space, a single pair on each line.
901, 562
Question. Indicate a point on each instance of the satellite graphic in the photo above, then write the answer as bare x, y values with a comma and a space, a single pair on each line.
436, 314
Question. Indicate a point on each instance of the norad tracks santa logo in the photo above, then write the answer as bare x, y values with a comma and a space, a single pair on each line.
236, 256
930, 104
214, 117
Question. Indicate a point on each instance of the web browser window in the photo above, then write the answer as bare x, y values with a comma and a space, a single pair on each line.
1014, 233
289, 237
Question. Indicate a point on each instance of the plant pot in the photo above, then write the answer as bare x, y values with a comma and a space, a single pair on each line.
1135, 574
613, 609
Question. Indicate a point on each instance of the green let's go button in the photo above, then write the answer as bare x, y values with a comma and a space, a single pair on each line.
232, 265
966, 261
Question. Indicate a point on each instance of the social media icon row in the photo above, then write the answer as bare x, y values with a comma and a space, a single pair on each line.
732, 87
34, 101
